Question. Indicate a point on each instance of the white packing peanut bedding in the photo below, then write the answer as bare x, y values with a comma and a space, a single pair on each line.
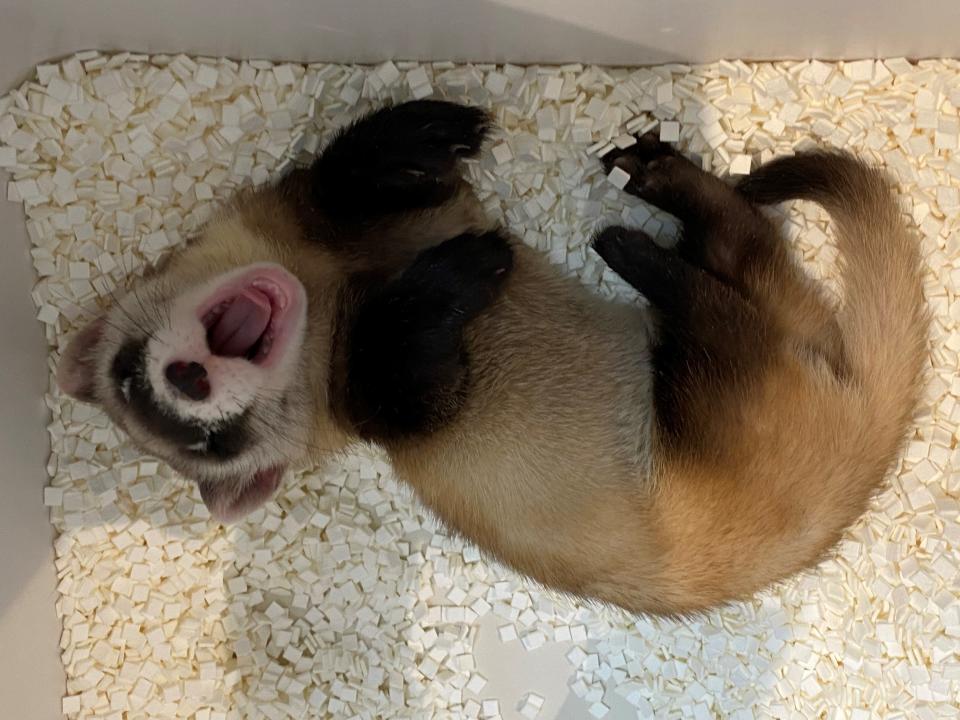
341, 599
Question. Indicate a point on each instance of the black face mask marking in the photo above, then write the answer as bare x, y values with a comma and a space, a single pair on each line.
221, 440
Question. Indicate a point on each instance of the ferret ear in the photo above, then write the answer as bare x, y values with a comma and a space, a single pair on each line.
77, 369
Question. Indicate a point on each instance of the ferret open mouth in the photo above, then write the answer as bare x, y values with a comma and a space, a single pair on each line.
251, 316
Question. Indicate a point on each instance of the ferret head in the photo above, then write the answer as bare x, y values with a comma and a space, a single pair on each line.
206, 362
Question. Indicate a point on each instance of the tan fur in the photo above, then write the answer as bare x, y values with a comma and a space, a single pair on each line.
554, 464
542, 469
532, 465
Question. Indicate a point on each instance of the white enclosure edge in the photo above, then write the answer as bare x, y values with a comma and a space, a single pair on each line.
625, 32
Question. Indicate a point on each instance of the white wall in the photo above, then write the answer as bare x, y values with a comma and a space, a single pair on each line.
610, 31
31, 679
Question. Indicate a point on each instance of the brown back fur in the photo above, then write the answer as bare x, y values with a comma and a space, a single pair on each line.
548, 469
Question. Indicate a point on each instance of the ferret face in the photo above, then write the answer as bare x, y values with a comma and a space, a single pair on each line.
203, 366
236, 359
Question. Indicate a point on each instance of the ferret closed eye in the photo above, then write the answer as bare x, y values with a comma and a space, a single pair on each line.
730, 429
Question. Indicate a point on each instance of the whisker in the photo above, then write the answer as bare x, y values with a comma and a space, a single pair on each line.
265, 439
277, 417
116, 300
90, 313
119, 304
136, 296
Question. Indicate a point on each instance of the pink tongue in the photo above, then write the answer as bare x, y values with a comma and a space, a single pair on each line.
236, 331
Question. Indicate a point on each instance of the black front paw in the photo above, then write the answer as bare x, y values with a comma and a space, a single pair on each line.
464, 273
439, 127
403, 157
407, 362
649, 147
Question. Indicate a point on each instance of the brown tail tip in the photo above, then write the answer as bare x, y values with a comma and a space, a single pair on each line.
819, 175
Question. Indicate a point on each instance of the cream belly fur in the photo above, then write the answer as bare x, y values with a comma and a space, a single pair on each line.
528, 466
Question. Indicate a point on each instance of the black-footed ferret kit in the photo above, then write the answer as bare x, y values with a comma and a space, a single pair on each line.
664, 457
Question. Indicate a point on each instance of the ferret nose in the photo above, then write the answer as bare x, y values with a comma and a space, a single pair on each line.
190, 378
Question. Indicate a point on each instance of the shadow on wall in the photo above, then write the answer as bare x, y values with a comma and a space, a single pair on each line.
28, 622
25, 533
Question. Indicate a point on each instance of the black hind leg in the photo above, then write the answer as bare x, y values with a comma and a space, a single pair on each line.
727, 236
396, 159
684, 295
710, 341
722, 232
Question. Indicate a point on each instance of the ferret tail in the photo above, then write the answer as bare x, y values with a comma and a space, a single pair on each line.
828, 444
884, 321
